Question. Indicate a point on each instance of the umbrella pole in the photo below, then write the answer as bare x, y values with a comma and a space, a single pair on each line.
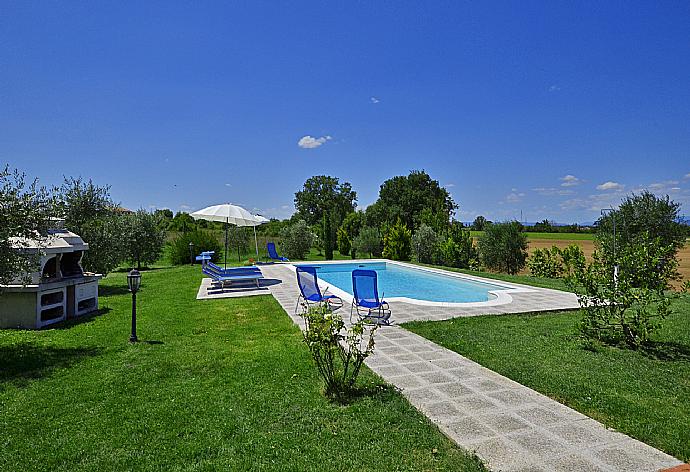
256, 244
226, 244
237, 238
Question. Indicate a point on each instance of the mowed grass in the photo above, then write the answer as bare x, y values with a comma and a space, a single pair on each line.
213, 385
644, 394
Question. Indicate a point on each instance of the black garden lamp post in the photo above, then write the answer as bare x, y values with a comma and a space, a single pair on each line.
134, 282
191, 253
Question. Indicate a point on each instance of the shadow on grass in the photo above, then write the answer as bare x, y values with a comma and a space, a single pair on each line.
379, 392
108, 290
667, 351
88, 318
24, 362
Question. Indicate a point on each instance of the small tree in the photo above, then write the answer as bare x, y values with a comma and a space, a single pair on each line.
457, 249
143, 238
616, 307
338, 352
89, 211
368, 241
344, 245
639, 216
296, 240
480, 223
397, 243
24, 213
424, 244
503, 247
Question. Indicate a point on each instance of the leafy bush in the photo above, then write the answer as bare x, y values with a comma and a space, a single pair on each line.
24, 212
296, 240
617, 308
503, 247
397, 243
344, 245
546, 263
639, 216
338, 352
457, 248
202, 240
424, 244
142, 237
90, 212
368, 241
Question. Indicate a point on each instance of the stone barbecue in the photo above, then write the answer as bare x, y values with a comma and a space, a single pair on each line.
58, 289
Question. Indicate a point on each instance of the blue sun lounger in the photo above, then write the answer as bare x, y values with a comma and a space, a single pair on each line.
223, 279
231, 270
365, 301
273, 254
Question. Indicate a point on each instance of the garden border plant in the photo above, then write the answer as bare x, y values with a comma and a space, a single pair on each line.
338, 351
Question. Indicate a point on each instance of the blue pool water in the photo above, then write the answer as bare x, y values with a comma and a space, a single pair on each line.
400, 281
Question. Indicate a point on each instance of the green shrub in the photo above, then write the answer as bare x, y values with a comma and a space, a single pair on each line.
618, 309
202, 240
368, 241
142, 238
397, 243
546, 263
503, 247
338, 352
425, 244
296, 240
457, 249
344, 245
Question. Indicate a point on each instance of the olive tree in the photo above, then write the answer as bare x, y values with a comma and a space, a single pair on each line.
90, 212
25, 211
503, 247
143, 239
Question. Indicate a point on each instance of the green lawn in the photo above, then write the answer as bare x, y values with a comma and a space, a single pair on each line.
213, 385
644, 394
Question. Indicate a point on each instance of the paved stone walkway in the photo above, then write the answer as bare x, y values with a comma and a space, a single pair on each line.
510, 426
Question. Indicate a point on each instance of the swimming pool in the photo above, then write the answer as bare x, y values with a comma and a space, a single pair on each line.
404, 282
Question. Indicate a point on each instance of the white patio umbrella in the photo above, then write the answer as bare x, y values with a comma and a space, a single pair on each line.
228, 214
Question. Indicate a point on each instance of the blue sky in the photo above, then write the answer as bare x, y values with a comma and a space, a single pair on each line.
552, 109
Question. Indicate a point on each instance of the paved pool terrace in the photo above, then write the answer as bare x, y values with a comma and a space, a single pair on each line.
511, 427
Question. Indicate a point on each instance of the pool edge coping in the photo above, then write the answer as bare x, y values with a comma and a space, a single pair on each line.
502, 297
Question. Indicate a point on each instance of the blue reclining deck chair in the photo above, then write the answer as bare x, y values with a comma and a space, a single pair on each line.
231, 270
366, 301
236, 276
271, 247
310, 293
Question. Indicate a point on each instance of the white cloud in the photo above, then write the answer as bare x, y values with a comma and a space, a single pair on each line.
184, 207
310, 142
450, 185
686, 177
228, 185
570, 181
550, 191
554, 88
374, 100
662, 187
611, 186
514, 197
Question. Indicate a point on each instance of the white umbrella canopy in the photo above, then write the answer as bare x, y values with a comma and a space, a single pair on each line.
226, 213
229, 214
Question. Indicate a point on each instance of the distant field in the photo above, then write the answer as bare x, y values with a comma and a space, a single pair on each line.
559, 236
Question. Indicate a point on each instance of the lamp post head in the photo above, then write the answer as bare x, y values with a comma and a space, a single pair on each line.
134, 280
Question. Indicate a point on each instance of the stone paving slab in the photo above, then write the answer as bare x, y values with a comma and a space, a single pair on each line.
511, 427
